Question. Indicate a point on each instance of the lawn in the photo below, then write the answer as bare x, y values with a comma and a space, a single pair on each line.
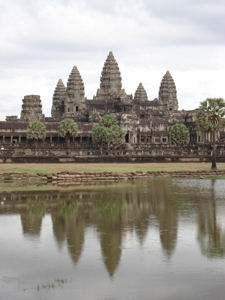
45, 168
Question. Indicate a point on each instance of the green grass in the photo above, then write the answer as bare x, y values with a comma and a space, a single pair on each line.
44, 168
24, 170
216, 177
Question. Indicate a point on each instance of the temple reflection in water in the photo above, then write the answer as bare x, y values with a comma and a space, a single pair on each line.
117, 212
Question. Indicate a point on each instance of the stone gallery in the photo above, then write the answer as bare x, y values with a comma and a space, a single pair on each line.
146, 123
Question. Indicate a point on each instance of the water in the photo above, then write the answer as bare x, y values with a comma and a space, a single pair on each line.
152, 239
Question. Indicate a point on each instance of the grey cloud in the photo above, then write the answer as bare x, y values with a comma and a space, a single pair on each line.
208, 17
43, 39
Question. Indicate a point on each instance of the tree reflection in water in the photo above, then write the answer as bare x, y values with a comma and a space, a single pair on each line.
32, 218
117, 210
210, 236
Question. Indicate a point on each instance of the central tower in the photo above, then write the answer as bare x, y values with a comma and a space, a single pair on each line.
110, 82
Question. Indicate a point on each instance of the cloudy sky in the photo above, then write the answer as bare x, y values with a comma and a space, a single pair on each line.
41, 40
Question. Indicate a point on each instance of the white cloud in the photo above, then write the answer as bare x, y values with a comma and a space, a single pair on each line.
41, 40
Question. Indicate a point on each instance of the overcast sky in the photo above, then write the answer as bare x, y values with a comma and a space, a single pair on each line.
41, 40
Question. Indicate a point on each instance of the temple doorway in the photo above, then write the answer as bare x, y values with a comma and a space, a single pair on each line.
127, 139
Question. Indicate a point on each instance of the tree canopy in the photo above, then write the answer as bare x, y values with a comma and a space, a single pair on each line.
67, 128
179, 133
36, 131
107, 131
210, 117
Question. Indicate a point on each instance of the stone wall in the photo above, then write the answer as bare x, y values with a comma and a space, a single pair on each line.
92, 153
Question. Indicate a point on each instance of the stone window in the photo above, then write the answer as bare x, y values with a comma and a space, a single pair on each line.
77, 108
164, 139
157, 140
127, 138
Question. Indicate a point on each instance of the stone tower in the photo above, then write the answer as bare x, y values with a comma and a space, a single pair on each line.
168, 92
59, 97
31, 109
74, 94
110, 82
140, 94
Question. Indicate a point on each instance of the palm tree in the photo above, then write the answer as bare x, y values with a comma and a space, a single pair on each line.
67, 128
36, 131
210, 117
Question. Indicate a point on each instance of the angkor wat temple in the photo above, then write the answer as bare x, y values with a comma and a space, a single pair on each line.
146, 122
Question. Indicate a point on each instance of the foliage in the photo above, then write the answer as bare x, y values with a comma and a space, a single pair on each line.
36, 131
210, 117
108, 210
67, 128
36, 208
179, 133
107, 131
67, 208
108, 121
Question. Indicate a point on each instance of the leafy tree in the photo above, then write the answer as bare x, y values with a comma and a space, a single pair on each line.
67, 128
36, 131
67, 208
210, 118
107, 131
36, 208
179, 133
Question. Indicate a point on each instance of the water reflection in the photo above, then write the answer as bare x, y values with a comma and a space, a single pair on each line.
210, 236
116, 212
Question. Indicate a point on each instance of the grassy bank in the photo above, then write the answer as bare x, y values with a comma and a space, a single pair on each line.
45, 168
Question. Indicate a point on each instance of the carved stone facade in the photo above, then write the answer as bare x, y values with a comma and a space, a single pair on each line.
146, 122
59, 97
32, 109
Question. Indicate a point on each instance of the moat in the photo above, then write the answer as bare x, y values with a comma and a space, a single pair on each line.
155, 238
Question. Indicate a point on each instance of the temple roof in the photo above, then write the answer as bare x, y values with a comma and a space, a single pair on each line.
60, 88
75, 85
167, 86
140, 94
58, 96
110, 77
59, 92
168, 92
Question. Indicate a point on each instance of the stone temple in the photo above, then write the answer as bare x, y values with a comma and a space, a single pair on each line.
146, 122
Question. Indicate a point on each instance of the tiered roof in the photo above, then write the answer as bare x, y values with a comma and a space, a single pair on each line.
168, 91
58, 98
140, 94
110, 77
75, 85
31, 108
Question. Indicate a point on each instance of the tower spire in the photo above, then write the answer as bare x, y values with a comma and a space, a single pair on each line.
74, 93
168, 92
58, 100
75, 85
111, 82
140, 94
